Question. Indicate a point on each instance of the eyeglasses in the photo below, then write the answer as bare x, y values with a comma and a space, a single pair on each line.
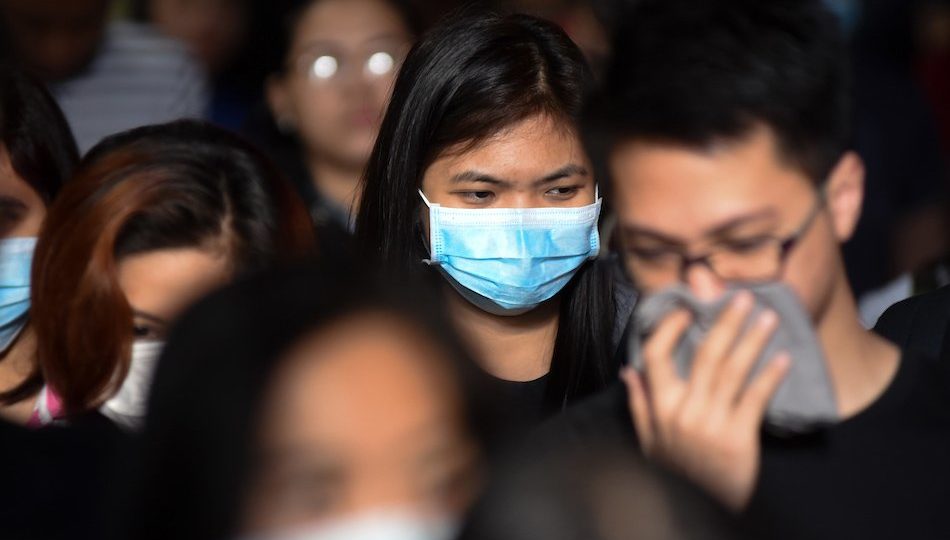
761, 258
324, 68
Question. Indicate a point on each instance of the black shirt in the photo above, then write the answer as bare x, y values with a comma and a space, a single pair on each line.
511, 408
884, 473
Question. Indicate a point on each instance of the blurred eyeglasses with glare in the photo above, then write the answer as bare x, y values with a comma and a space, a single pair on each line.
325, 67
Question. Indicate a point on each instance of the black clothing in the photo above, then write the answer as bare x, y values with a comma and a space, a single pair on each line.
511, 408
883, 473
918, 324
59, 482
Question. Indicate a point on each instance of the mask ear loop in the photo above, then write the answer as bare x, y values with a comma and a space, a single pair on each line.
424, 199
427, 242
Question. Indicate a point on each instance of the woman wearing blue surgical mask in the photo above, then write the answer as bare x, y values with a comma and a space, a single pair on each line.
479, 182
37, 155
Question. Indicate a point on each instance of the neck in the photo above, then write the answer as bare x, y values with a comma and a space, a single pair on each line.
862, 364
516, 348
16, 364
338, 182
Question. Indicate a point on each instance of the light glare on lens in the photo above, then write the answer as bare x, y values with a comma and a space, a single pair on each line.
380, 63
324, 67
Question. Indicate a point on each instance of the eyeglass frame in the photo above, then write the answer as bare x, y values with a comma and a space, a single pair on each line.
786, 246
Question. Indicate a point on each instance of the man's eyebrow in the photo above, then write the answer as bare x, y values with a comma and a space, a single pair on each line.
632, 229
637, 230
745, 219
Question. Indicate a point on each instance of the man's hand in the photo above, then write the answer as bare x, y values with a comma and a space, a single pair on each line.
707, 427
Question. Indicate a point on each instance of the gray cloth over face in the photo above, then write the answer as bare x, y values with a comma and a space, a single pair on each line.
805, 399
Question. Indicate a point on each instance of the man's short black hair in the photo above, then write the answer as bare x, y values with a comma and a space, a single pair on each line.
697, 72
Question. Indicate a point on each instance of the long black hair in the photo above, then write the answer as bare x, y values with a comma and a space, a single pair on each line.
212, 382
462, 83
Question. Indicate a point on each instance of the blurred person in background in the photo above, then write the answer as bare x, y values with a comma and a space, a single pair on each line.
585, 21
37, 156
107, 76
233, 41
154, 218
901, 238
337, 63
310, 403
479, 185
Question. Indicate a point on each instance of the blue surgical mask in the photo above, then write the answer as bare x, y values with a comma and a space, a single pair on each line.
507, 261
16, 257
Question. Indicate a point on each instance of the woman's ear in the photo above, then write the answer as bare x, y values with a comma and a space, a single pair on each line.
278, 100
844, 193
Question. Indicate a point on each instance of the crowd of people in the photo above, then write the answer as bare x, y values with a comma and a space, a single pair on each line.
386, 269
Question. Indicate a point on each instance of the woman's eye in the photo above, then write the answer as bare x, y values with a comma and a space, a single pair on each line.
142, 331
563, 192
478, 197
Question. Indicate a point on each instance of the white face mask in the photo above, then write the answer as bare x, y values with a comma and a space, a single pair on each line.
372, 525
127, 407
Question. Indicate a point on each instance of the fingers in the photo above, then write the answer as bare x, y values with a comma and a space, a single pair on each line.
735, 370
639, 409
718, 344
658, 351
752, 404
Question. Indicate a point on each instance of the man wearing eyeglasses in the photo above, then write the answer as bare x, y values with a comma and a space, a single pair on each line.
724, 127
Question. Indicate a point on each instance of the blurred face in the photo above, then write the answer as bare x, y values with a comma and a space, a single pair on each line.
362, 417
731, 198
212, 29
339, 74
537, 163
159, 285
53, 38
21, 209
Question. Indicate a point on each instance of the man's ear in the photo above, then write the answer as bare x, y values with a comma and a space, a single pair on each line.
844, 193
279, 103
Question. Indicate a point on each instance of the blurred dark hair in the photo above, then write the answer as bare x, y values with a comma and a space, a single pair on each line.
461, 84
694, 72
35, 133
213, 378
181, 185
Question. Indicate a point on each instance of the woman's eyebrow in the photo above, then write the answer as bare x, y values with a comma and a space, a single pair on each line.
571, 169
476, 176
148, 316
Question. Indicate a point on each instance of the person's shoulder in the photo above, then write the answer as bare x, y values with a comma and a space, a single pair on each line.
140, 37
918, 323
131, 44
